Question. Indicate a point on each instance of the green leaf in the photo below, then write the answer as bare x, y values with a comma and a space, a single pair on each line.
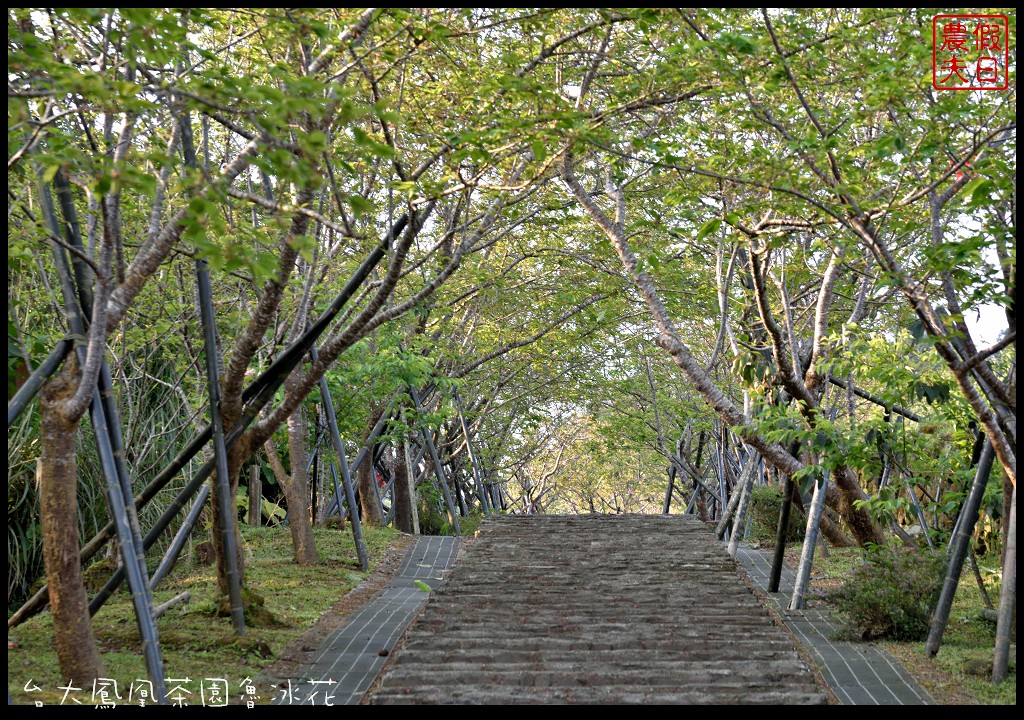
360, 205
707, 228
740, 43
316, 141
540, 152
422, 586
49, 173
917, 330
305, 244
980, 193
406, 187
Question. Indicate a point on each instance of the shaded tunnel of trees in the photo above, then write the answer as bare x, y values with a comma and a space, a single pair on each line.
406, 266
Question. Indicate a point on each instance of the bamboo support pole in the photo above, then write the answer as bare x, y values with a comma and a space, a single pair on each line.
439, 473
746, 482
256, 395
108, 439
477, 478
1007, 598
225, 501
803, 575
960, 545
28, 390
174, 550
178, 599
346, 478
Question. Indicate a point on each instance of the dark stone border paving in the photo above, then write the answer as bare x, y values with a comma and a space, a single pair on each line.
857, 673
349, 659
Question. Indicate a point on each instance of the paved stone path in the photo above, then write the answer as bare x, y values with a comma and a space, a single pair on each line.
350, 657
858, 673
595, 609
592, 609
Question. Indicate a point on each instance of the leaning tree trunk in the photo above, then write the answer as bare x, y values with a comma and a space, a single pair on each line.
857, 518
77, 655
669, 339
830, 530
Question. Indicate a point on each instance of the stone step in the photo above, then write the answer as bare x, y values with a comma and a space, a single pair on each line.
624, 639
547, 609
572, 625
682, 677
607, 695
638, 668
672, 664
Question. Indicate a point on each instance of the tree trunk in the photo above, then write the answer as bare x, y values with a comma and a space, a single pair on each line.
369, 504
77, 654
369, 500
403, 493
1004, 523
702, 504
298, 502
296, 492
236, 456
859, 520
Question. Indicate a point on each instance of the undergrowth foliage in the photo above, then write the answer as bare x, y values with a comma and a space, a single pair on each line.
891, 595
765, 507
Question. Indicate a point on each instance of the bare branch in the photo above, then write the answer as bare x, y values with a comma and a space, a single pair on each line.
984, 355
285, 209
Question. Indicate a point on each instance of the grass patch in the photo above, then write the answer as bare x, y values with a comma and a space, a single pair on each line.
194, 643
470, 523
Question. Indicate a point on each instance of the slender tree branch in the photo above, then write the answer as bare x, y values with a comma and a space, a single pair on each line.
984, 355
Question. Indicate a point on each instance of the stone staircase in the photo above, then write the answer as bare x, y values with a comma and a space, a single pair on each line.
598, 609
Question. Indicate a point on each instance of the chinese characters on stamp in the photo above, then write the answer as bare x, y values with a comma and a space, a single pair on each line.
970, 52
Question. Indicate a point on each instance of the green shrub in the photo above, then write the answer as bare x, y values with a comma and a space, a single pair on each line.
433, 513
891, 595
471, 523
765, 505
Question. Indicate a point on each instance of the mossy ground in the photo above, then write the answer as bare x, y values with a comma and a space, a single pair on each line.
195, 642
